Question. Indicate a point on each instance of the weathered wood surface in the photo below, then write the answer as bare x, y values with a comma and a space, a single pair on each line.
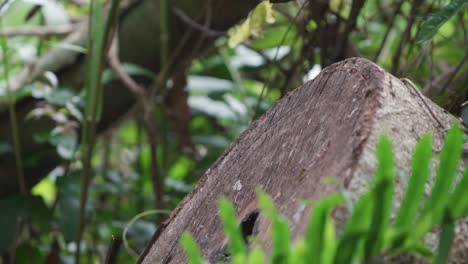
326, 128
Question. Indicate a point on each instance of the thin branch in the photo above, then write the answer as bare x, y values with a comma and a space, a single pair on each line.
194, 24
455, 71
389, 29
350, 25
406, 37
144, 98
39, 31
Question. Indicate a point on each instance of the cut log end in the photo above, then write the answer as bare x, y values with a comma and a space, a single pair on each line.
326, 128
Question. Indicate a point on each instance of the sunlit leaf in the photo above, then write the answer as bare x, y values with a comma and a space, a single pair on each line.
213, 108
382, 194
280, 235
227, 214
191, 249
414, 192
320, 237
262, 14
432, 25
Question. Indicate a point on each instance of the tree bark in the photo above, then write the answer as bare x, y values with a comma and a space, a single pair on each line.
326, 128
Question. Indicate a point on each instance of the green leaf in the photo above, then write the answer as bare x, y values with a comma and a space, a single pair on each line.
8, 220
61, 96
445, 242
350, 246
256, 256
39, 213
279, 231
298, 253
109, 75
415, 190
262, 14
458, 201
382, 194
279, 35
191, 249
66, 143
5, 148
320, 240
28, 254
227, 214
69, 206
330, 243
448, 166
432, 25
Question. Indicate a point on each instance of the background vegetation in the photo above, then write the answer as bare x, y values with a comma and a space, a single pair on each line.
178, 137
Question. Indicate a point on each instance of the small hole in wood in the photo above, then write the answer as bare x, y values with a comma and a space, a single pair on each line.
248, 228
248, 225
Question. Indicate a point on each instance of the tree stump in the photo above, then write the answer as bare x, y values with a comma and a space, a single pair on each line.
326, 128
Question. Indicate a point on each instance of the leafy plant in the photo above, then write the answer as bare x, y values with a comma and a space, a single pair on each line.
369, 234
432, 25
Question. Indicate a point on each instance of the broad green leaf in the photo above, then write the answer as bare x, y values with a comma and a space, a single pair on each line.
319, 231
432, 25
69, 206
109, 75
227, 214
262, 14
342, 7
66, 143
280, 228
208, 85
350, 246
298, 253
448, 166
210, 107
414, 192
380, 219
191, 249
458, 201
38, 212
239, 33
445, 242
28, 253
329, 241
5, 148
417, 248
279, 35
8, 221
256, 256
382, 194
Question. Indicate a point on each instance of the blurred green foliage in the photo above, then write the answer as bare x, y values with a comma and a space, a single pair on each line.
227, 88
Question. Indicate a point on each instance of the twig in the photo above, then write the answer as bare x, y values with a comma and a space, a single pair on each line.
13, 119
283, 39
145, 100
39, 31
113, 250
350, 25
389, 28
455, 71
408, 83
406, 35
189, 21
